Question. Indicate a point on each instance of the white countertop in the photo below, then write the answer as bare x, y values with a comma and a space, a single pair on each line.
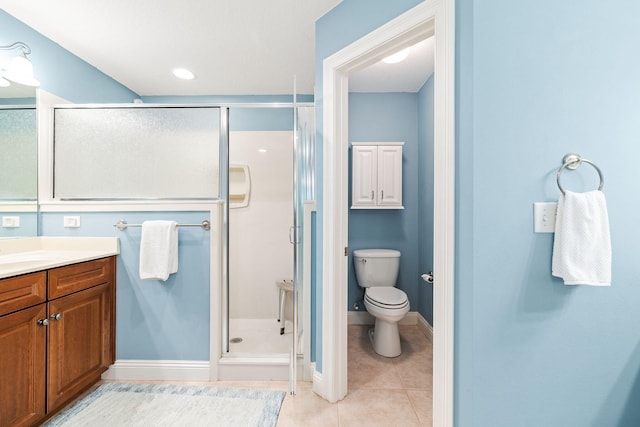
27, 255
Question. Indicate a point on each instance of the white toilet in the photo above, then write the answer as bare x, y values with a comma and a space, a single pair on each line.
377, 272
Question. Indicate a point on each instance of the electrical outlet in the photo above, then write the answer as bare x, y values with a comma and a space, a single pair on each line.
11, 221
544, 217
71, 221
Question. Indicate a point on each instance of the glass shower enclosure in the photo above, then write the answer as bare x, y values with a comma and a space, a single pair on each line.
271, 158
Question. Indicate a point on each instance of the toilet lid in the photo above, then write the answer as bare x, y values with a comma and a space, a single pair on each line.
386, 295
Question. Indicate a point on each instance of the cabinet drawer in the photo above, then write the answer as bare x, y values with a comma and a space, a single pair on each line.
74, 278
22, 291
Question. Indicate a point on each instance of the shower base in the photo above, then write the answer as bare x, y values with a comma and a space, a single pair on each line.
260, 336
263, 354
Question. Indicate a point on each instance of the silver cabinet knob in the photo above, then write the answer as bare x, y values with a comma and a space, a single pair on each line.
43, 322
56, 316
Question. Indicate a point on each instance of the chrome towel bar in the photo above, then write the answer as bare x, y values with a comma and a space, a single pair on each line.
573, 161
122, 225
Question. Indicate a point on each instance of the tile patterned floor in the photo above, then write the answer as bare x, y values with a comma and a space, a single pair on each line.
382, 391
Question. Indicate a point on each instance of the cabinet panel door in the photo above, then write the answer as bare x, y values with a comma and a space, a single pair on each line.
365, 165
79, 342
22, 367
389, 175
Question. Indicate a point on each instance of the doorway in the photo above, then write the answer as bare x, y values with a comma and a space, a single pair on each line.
416, 24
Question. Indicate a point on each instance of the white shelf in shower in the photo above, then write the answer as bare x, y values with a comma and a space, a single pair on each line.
239, 186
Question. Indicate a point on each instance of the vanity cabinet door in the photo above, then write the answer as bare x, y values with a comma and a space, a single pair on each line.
80, 342
22, 367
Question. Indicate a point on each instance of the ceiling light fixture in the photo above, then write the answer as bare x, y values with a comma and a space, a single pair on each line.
20, 69
397, 57
183, 73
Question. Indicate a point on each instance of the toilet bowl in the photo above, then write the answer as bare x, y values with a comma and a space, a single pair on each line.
376, 272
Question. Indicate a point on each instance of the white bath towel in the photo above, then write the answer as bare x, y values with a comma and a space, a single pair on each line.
582, 243
158, 249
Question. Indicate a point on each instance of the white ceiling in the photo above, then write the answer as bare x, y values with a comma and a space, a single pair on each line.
406, 76
239, 47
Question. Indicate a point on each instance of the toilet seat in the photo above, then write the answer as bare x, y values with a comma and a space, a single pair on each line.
387, 298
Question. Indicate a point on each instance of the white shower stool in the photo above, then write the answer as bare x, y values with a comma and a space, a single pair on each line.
284, 286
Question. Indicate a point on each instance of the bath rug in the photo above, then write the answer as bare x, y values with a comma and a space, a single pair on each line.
126, 404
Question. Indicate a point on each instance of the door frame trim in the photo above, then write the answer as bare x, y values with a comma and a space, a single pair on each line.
426, 19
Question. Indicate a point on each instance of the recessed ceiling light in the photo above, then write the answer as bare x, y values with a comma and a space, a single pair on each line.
262, 150
397, 57
183, 73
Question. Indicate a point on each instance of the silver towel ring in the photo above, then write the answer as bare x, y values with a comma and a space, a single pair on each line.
573, 161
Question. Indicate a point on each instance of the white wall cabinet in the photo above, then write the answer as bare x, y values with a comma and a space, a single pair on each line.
376, 180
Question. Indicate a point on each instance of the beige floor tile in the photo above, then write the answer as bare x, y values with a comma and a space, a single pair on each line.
413, 340
358, 339
377, 408
415, 372
370, 370
307, 409
388, 391
422, 405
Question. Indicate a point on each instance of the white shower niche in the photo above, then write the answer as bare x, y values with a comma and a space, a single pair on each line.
239, 186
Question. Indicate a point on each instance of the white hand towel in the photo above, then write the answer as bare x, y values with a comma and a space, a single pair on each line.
158, 249
582, 242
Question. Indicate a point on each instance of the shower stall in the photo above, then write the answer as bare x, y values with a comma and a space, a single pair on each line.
250, 167
271, 161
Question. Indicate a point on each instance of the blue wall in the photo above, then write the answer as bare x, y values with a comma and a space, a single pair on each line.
544, 83
376, 117
155, 320
59, 71
533, 82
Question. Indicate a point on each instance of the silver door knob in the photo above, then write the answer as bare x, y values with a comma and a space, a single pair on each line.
56, 316
43, 322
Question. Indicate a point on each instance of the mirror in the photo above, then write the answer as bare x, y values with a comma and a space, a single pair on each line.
18, 161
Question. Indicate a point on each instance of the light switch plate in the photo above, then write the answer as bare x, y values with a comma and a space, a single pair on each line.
544, 217
71, 221
11, 221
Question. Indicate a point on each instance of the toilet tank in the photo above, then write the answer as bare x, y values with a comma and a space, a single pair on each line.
376, 267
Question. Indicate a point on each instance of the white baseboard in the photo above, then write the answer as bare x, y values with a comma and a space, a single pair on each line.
359, 318
157, 370
412, 318
425, 327
364, 318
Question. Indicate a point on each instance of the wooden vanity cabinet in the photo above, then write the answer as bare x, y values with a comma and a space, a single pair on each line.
22, 367
57, 349
79, 343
